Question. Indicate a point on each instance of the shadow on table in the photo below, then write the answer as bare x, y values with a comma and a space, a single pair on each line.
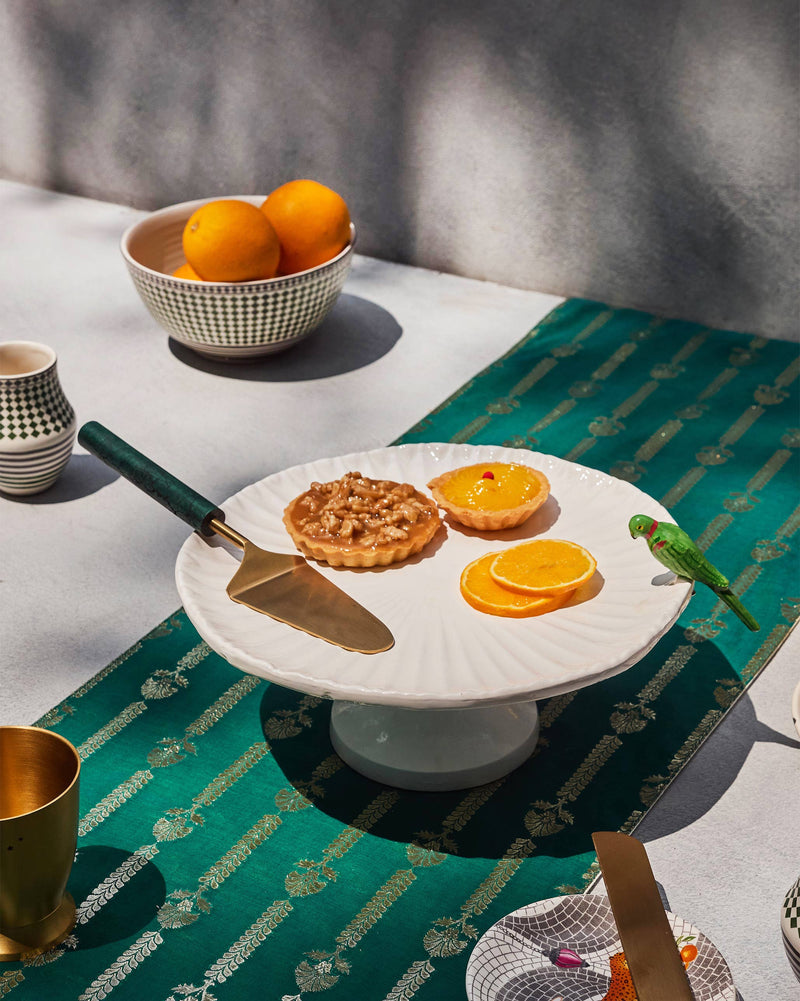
355, 333
83, 475
604, 755
703, 783
123, 907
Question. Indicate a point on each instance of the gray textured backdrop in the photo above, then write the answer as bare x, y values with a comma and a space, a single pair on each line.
642, 153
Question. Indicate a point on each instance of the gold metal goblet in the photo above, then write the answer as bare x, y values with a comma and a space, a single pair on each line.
39, 776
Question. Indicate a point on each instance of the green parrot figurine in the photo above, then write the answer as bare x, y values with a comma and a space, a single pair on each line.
673, 548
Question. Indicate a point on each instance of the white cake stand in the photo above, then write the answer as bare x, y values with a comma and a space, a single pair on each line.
453, 703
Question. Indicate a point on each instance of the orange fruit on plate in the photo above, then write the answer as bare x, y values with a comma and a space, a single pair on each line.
186, 271
312, 223
491, 495
543, 567
481, 591
229, 240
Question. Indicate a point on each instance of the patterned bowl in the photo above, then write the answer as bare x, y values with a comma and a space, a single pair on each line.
226, 320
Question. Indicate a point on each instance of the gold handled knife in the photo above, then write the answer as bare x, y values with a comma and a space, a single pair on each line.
648, 942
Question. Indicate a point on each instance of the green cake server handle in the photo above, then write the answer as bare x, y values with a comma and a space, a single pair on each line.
280, 585
162, 486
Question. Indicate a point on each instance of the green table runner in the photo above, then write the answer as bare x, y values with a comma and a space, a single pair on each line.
225, 851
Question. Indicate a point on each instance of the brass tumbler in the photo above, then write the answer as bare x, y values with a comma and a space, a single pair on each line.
39, 776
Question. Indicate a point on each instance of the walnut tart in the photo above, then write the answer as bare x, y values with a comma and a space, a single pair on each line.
356, 521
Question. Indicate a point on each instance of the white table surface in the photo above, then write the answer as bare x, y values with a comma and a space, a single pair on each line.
87, 568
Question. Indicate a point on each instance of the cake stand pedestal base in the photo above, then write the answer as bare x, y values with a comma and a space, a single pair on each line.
434, 750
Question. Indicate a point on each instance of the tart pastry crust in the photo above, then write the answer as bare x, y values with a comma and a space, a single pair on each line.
491, 496
360, 522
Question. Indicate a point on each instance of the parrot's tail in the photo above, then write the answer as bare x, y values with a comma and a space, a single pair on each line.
730, 599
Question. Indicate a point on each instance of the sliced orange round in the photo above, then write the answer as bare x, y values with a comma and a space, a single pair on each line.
543, 568
485, 594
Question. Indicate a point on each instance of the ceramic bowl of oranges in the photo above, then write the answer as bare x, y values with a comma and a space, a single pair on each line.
241, 276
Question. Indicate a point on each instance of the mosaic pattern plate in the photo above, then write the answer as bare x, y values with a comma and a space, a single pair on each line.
513, 961
446, 653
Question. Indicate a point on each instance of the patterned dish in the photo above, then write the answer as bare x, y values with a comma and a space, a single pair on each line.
514, 959
226, 320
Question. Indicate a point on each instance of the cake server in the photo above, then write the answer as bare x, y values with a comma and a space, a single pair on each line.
280, 585
644, 929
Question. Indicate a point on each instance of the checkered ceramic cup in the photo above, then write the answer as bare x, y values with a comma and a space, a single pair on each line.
229, 321
37, 423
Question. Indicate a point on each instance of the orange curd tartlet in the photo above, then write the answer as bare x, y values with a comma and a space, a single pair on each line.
359, 522
491, 495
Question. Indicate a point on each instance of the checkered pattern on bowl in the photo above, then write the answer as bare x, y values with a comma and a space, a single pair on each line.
226, 319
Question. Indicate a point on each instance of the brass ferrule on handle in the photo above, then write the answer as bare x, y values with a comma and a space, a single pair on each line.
220, 528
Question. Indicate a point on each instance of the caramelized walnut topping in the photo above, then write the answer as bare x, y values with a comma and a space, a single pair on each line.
332, 520
361, 510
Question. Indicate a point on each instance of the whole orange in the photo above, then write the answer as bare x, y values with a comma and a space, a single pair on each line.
312, 223
231, 241
186, 271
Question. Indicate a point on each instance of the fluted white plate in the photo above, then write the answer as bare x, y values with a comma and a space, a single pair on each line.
446, 654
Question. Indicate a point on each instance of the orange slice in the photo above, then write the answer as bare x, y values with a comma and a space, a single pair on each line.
491, 495
543, 567
485, 594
